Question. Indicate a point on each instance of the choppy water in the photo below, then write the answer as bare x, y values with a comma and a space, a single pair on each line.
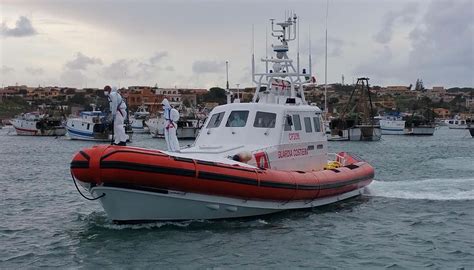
419, 214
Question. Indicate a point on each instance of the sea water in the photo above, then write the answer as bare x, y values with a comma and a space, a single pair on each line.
418, 213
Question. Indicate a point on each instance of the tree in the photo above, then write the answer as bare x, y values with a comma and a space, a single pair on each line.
216, 94
419, 85
78, 99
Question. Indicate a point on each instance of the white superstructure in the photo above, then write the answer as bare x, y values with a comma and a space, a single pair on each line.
456, 123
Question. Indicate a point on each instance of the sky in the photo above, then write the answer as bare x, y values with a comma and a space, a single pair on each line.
185, 44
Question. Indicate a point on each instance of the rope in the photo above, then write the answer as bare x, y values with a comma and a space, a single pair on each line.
78, 190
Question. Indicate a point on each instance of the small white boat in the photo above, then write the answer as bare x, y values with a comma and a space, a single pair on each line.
36, 124
456, 123
138, 120
392, 125
89, 126
187, 129
156, 125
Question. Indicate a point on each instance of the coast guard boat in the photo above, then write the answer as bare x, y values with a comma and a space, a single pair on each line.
249, 159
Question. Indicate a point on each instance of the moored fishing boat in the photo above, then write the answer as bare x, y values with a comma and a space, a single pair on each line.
89, 126
357, 122
249, 159
392, 125
138, 120
187, 128
36, 124
418, 124
457, 123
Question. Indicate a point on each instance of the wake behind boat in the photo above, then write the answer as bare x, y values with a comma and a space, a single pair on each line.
249, 159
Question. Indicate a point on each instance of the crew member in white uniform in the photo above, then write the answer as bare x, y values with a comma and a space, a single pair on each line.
171, 123
118, 109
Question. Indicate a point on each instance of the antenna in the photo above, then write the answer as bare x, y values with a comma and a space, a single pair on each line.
237, 100
227, 74
309, 53
326, 63
298, 47
253, 39
227, 83
266, 48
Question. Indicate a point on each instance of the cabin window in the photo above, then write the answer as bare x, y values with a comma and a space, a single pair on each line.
216, 120
297, 122
237, 119
88, 126
317, 124
307, 124
265, 120
288, 123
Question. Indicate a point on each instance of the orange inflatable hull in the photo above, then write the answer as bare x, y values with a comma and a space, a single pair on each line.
153, 170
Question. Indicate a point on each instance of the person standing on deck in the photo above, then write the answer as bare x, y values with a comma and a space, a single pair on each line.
118, 109
171, 123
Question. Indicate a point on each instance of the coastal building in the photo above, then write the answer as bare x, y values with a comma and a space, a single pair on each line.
442, 112
143, 95
172, 94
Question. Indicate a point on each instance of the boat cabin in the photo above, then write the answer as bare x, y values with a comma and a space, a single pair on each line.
274, 133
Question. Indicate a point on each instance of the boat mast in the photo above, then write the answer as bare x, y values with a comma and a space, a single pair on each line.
227, 83
282, 81
326, 64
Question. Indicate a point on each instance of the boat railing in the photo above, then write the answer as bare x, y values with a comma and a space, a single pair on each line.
338, 158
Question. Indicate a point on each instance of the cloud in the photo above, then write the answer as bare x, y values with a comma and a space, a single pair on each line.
6, 69
23, 28
405, 15
380, 66
318, 47
203, 66
119, 70
73, 78
81, 62
443, 45
440, 50
34, 71
158, 57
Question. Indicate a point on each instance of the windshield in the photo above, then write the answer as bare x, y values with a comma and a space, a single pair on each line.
265, 120
216, 120
237, 119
